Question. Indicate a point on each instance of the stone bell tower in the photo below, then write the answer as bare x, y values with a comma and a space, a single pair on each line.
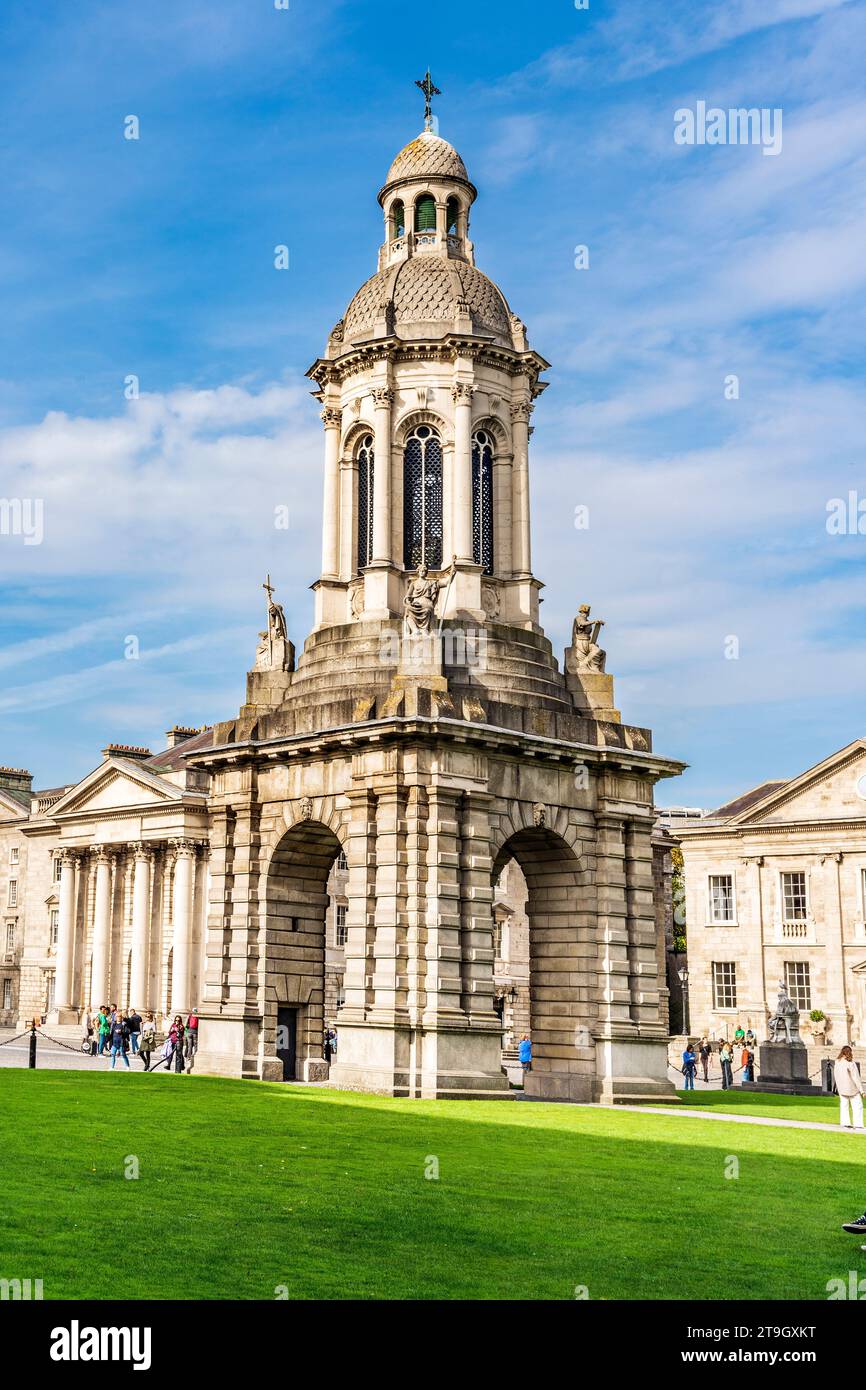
427, 732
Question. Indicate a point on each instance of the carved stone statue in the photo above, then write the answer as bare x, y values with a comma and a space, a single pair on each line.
585, 654
419, 605
787, 1017
274, 651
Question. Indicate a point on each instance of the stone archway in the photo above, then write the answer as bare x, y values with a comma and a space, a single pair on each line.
562, 963
296, 902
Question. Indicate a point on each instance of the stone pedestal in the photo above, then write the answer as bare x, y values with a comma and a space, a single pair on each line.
593, 694
783, 1068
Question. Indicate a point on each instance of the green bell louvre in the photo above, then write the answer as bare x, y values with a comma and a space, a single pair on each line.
425, 214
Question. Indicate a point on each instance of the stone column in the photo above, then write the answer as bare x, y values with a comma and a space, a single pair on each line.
64, 1010
99, 981
383, 399
503, 523
390, 994
181, 912
441, 224
138, 982
348, 517
520, 548
461, 493
332, 419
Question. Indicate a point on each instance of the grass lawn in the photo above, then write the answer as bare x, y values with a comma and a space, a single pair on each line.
245, 1186
820, 1109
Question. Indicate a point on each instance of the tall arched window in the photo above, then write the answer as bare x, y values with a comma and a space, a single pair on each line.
425, 213
452, 214
366, 465
482, 500
398, 219
422, 499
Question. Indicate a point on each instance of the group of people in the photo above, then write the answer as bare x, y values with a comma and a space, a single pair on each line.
743, 1043
125, 1031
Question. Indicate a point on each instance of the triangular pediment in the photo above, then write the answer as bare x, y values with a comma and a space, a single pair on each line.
834, 789
114, 784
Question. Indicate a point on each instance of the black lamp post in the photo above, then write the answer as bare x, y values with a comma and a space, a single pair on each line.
683, 973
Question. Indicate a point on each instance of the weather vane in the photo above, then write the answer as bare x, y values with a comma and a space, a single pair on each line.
430, 92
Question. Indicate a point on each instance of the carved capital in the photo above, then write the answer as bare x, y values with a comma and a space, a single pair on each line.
461, 393
183, 849
68, 857
383, 397
522, 410
103, 854
332, 417
143, 850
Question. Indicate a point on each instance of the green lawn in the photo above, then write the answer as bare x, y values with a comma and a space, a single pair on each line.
821, 1109
244, 1187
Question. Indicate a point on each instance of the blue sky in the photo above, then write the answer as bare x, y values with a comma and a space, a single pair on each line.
260, 126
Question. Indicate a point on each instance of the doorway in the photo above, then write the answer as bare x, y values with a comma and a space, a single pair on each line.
287, 1041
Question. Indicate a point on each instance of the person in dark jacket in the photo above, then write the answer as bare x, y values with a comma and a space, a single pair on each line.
689, 1064
175, 1037
119, 1038
133, 1018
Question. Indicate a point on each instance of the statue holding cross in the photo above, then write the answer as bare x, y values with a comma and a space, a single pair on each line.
274, 652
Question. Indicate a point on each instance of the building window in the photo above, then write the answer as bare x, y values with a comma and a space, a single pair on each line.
340, 925
721, 888
340, 998
794, 897
452, 216
497, 938
55, 925
10, 936
49, 992
342, 861
366, 466
724, 984
799, 983
7, 994
398, 218
12, 900
58, 870
482, 500
425, 213
13, 854
422, 499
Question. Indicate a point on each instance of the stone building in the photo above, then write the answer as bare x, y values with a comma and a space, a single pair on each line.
422, 829
776, 890
426, 731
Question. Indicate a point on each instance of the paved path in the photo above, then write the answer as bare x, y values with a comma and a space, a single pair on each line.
53, 1058
689, 1112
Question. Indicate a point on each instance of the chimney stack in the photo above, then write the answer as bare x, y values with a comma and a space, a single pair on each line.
126, 750
179, 734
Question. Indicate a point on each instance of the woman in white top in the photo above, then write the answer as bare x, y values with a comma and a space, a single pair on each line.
850, 1089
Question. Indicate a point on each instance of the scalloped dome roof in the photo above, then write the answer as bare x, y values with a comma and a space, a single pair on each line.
427, 292
427, 156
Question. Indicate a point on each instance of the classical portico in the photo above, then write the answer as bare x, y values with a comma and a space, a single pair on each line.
431, 773
130, 852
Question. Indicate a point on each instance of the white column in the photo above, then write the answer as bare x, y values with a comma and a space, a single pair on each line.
348, 517
101, 930
138, 993
65, 931
181, 911
383, 398
520, 550
332, 420
461, 493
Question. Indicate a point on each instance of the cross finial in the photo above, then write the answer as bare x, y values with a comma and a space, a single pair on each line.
427, 87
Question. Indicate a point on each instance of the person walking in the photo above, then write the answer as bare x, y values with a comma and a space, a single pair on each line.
689, 1063
147, 1044
175, 1037
748, 1064
727, 1069
133, 1018
524, 1053
119, 1041
328, 1045
104, 1030
190, 1038
850, 1089
705, 1052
